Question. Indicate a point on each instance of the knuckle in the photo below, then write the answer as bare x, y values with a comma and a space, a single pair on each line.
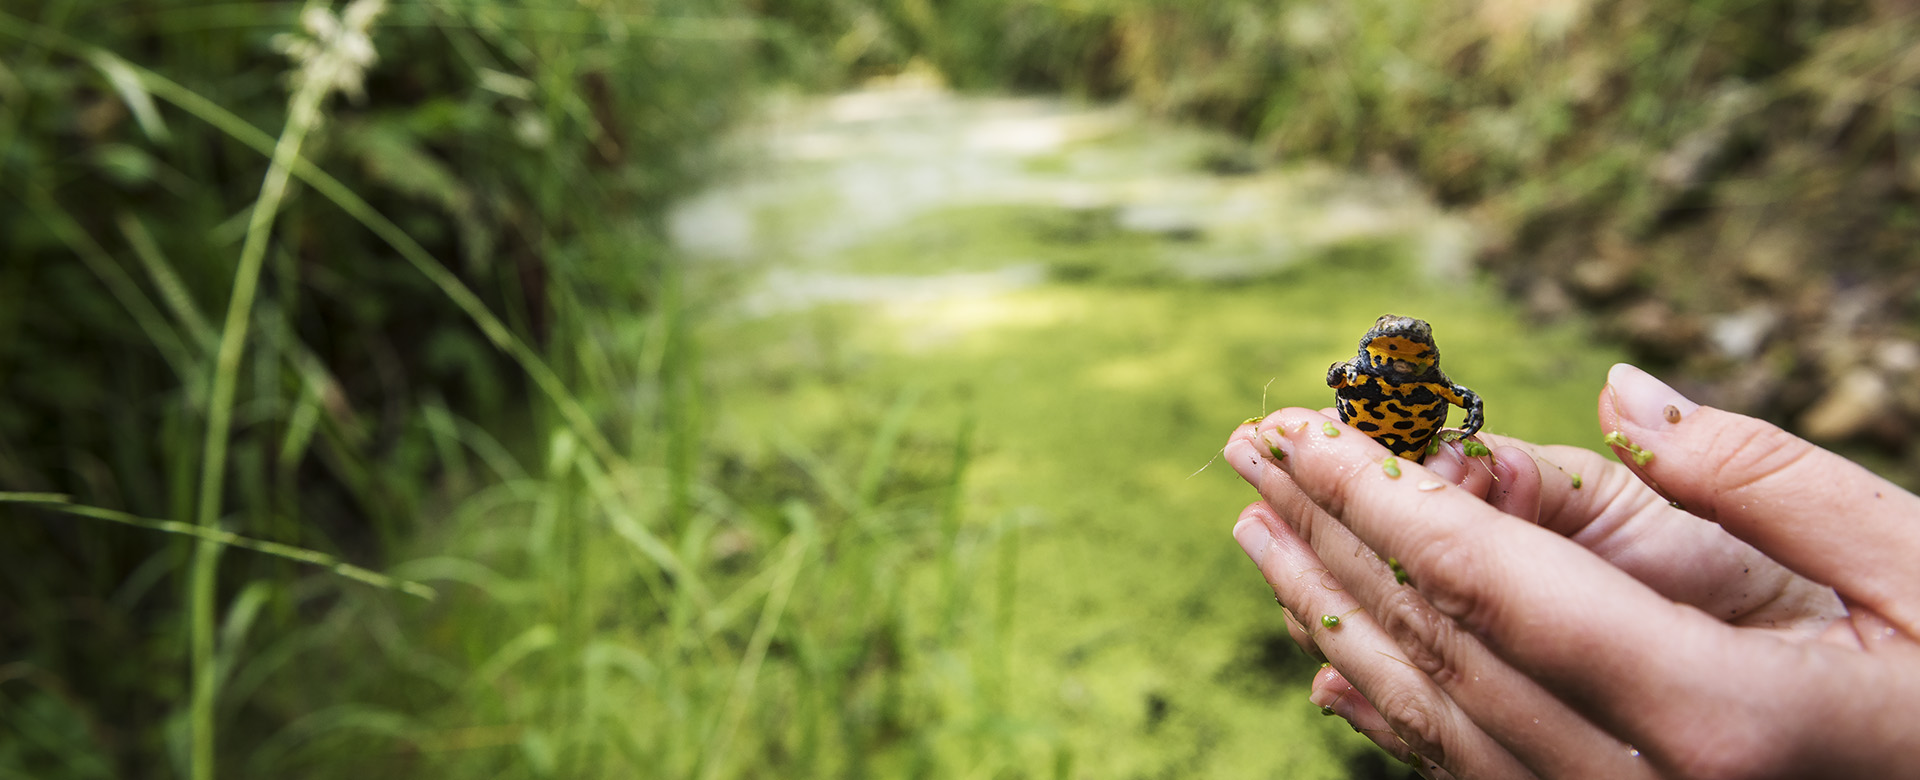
1451, 562
1286, 499
1304, 517
1415, 716
1421, 632
1343, 485
1751, 453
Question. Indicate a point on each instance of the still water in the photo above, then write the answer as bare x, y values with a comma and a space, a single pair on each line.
1085, 301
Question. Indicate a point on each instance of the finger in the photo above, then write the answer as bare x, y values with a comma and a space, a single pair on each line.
1813, 511
1423, 718
1450, 463
1543, 733
1448, 459
1591, 634
1517, 483
1302, 638
1579, 490
1601, 505
1336, 696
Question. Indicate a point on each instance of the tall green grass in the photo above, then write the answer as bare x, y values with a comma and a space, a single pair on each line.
451, 364
339, 390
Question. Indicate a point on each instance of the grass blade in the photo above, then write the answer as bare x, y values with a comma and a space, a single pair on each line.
127, 85
748, 675
302, 115
173, 292
62, 503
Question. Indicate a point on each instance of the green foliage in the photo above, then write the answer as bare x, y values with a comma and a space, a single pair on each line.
982, 44
530, 152
1576, 104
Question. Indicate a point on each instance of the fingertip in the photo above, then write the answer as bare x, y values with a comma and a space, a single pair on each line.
1244, 458
1516, 489
1251, 530
1335, 696
1250, 427
1328, 686
1449, 463
1639, 398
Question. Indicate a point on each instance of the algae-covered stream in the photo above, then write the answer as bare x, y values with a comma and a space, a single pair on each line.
1067, 308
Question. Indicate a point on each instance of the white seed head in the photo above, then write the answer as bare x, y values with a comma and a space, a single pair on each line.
336, 51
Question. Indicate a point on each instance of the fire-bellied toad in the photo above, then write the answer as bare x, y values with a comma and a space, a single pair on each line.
1395, 391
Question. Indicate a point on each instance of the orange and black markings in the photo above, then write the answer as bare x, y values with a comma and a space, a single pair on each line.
1394, 390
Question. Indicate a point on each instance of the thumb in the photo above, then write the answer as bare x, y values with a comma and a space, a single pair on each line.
1817, 513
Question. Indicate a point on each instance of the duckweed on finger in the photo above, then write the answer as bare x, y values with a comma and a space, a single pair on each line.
1639, 455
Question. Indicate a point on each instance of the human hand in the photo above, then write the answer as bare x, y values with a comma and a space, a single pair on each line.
1596, 631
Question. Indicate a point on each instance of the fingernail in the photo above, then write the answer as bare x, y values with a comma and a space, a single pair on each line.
1448, 464
1329, 690
1327, 701
1252, 536
1645, 401
1277, 445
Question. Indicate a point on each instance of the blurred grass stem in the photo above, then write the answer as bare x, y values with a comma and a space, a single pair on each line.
302, 115
748, 673
60, 502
